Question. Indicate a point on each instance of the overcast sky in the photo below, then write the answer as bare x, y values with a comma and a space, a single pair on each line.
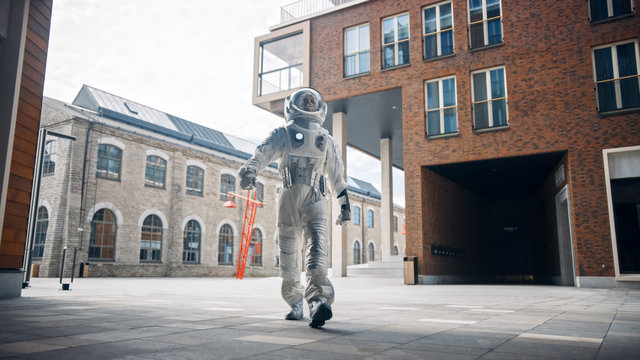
192, 59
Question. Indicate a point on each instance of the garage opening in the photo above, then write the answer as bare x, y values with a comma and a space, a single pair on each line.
498, 221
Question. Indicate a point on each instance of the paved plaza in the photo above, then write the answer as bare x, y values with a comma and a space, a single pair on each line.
374, 318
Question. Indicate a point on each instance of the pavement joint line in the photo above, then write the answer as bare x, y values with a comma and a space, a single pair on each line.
397, 308
449, 321
275, 340
560, 338
465, 306
223, 309
492, 310
266, 316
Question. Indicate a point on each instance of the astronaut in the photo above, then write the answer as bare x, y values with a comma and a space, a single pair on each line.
307, 157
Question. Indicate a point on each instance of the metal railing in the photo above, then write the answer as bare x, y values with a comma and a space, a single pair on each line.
303, 8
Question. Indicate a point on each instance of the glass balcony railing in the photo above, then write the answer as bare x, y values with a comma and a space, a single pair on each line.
304, 8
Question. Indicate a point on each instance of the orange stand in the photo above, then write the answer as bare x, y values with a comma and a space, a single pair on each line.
247, 228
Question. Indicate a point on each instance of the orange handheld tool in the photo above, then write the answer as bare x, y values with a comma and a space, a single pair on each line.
247, 228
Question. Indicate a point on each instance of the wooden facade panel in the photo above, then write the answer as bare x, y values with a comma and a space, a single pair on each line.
19, 183
24, 158
38, 28
23, 145
30, 97
16, 208
28, 121
37, 39
20, 170
33, 68
18, 196
36, 51
10, 261
34, 87
25, 133
14, 222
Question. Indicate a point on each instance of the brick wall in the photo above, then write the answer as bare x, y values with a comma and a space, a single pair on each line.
551, 102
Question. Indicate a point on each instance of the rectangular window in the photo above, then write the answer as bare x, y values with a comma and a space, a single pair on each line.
489, 94
280, 65
395, 41
109, 162
356, 50
600, 10
616, 68
195, 180
227, 184
485, 23
155, 171
441, 106
438, 30
49, 164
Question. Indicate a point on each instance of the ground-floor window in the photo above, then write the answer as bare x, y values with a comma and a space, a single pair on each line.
102, 243
356, 252
192, 237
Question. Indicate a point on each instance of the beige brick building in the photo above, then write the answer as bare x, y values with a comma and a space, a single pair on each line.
140, 193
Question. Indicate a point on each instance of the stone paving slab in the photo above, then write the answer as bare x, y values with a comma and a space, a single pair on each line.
374, 318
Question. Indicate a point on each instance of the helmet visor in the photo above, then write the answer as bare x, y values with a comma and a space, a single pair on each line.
307, 101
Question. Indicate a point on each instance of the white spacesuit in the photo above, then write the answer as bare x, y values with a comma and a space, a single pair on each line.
307, 157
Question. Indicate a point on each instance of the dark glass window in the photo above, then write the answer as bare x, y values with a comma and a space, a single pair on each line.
356, 253
372, 252
228, 184
617, 80
489, 98
438, 30
370, 218
605, 9
395, 41
356, 215
102, 243
225, 245
485, 23
356, 50
195, 180
155, 171
109, 162
151, 239
191, 238
255, 247
42, 224
280, 65
49, 164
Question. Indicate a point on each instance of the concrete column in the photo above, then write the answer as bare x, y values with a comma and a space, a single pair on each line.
386, 208
339, 232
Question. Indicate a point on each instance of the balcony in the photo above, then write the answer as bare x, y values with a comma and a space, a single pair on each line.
304, 8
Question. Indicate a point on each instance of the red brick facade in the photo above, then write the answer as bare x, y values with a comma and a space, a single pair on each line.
547, 56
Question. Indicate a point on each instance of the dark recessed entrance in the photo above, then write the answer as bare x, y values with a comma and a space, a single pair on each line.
495, 220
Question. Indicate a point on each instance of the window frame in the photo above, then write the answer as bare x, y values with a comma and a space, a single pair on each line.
356, 215
438, 32
225, 187
105, 173
396, 42
359, 51
357, 257
300, 66
40, 236
49, 158
92, 237
371, 218
610, 15
616, 74
372, 251
485, 27
256, 260
222, 248
154, 230
194, 190
442, 108
489, 101
187, 252
159, 164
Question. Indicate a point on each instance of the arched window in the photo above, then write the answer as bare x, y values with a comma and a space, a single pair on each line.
42, 224
49, 164
151, 239
372, 252
255, 247
356, 215
395, 223
191, 237
370, 218
227, 184
195, 180
225, 245
356, 253
102, 243
109, 162
155, 171
396, 251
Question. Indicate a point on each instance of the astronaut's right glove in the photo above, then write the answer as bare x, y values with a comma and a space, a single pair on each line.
345, 209
248, 179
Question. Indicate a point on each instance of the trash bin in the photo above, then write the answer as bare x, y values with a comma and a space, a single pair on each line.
410, 270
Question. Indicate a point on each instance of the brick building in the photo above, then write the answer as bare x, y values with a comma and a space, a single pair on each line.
138, 192
516, 125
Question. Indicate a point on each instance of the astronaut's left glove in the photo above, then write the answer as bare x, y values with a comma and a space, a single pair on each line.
345, 209
248, 178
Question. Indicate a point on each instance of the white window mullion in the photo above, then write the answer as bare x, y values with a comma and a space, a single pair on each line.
489, 98
438, 40
357, 50
485, 26
441, 99
609, 8
616, 75
396, 46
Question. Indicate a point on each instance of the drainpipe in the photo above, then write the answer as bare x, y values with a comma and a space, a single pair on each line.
364, 248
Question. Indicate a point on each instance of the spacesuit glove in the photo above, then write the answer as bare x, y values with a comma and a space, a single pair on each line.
248, 178
345, 209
